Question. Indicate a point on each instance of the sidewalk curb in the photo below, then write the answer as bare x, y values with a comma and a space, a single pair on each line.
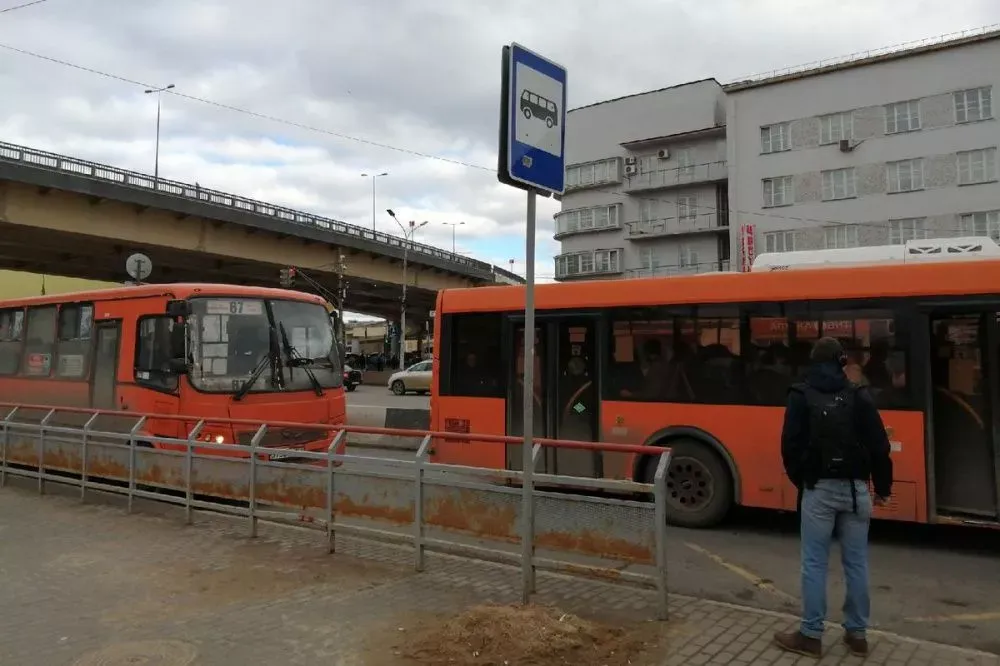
972, 652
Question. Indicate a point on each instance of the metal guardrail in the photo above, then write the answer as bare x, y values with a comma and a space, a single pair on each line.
430, 506
83, 168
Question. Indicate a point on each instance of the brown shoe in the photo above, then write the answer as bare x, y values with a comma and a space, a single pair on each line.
856, 645
799, 643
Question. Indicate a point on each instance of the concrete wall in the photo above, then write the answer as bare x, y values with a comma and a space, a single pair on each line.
862, 94
597, 132
17, 284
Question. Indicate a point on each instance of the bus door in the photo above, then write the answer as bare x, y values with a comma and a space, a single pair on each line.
965, 413
566, 392
104, 374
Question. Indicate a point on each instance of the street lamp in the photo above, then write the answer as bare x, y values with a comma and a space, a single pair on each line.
454, 226
156, 159
408, 237
374, 177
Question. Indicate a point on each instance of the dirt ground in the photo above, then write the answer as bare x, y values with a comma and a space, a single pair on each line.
508, 635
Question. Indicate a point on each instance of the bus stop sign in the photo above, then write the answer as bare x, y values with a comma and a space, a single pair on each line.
532, 122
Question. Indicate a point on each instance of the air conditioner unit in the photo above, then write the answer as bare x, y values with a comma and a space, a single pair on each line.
629, 160
663, 154
631, 170
845, 146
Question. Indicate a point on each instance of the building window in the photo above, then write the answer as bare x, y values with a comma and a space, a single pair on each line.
836, 127
841, 236
593, 173
905, 175
685, 162
687, 256
902, 117
900, 231
839, 184
977, 166
982, 224
588, 219
775, 138
972, 105
779, 241
687, 207
777, 191
585, 263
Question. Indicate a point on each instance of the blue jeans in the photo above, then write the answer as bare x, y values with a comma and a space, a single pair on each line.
826, 506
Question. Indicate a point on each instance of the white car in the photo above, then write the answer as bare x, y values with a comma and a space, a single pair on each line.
416, 378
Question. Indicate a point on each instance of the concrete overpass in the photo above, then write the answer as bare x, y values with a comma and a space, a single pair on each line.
66, 216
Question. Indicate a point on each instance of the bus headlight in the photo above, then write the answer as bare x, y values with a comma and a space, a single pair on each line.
219, 439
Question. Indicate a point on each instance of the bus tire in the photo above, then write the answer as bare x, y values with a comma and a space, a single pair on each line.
700, 488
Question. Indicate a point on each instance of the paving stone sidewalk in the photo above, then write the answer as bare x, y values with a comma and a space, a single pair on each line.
87, 585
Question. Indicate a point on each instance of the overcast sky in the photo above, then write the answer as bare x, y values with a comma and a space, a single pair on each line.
417, 74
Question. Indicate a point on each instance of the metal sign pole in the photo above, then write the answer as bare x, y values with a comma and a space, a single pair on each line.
527, 467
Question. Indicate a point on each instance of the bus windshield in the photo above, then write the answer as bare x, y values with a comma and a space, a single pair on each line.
230, 338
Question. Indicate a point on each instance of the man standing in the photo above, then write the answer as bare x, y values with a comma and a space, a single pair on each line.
832, 443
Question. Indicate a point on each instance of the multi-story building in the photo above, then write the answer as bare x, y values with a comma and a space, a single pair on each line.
646, 185
874, 151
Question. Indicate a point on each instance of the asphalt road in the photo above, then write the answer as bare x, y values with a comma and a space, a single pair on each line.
381, 396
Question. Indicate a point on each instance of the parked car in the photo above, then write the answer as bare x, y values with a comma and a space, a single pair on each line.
352, 378
416, 378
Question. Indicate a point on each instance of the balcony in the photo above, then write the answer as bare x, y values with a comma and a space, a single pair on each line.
589, 263
691, 269
663, 179
675, 226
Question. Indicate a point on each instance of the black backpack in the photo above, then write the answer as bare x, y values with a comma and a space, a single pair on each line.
835, 451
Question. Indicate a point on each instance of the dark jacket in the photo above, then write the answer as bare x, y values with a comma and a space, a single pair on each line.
830, 378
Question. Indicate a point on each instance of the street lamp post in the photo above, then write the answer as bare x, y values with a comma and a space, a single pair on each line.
374, 177
408, 237
156, 159
454, 226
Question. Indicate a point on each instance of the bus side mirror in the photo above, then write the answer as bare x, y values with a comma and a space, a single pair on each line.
178, 309
177, 366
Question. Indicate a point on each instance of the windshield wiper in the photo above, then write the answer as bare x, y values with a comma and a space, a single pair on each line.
271, 358
258, 370
296, 360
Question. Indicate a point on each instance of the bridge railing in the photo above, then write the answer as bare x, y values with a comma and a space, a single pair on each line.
596, 529
38, 158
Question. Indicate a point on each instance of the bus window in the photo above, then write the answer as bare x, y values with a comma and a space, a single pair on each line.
768, 363
229, 337
40, 338
159, 340
715, 372
11, 334
308, 330
876, 356
641, 354
476, 366
73, 344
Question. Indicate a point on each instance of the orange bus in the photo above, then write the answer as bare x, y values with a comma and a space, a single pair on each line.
201, 350
703, 364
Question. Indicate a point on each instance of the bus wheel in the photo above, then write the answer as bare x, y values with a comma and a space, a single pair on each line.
699, 485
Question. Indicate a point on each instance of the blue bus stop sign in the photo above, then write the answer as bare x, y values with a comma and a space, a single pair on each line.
533, 122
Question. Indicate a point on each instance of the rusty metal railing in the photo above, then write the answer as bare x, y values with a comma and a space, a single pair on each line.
430, 506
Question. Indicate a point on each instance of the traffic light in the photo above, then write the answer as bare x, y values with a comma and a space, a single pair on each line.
287, 277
